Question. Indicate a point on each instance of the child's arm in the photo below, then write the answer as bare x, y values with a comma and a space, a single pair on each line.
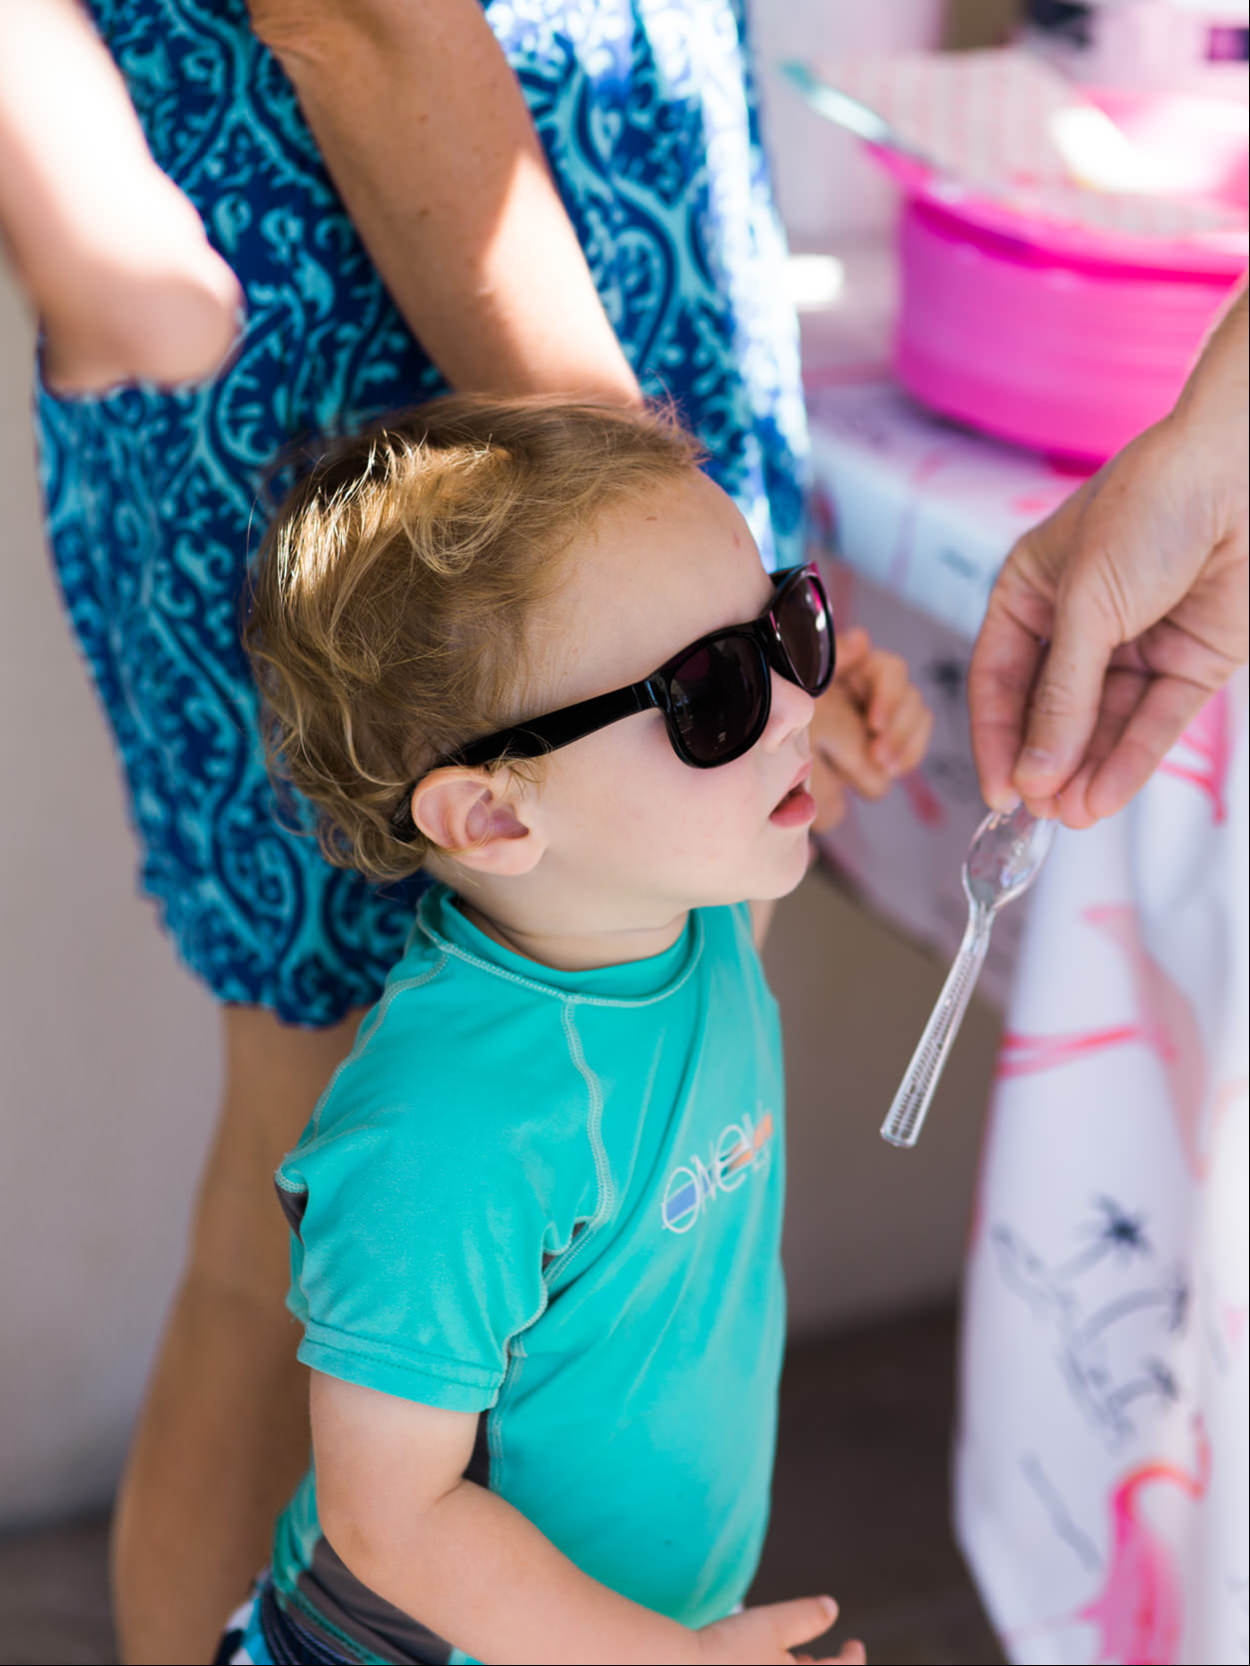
110, 251
394, 1503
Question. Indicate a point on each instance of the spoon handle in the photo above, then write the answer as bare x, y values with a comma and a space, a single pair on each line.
911, 1103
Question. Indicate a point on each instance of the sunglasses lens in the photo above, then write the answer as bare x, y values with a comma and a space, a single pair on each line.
719, 698
803, 624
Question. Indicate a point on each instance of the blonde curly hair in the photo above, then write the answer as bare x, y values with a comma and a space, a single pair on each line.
389, 601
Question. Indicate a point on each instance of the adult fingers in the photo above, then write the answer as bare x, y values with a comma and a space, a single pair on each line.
1123, 691
1140, 719
1165, 711
1004, 665
1064, 707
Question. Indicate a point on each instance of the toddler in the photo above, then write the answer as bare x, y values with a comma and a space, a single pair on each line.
528, 647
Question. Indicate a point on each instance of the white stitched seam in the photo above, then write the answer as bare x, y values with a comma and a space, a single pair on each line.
470, 959
577, 1242
515, 1351
594, 1133
363, 1037
427, 1365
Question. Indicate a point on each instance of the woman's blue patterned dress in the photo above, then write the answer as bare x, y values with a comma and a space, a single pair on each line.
154, 499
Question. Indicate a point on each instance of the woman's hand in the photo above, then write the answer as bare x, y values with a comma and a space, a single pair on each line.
1115, 620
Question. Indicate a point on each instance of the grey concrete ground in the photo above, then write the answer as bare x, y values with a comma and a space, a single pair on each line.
860, 1510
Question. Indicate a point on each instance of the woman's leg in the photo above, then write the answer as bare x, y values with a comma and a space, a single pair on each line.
223, 1435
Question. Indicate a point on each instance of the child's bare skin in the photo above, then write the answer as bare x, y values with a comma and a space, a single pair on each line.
870, 727
110, 252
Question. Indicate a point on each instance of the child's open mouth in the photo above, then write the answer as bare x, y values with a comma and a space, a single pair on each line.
798, 807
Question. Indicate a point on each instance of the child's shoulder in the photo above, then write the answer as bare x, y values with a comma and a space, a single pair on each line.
448, 1057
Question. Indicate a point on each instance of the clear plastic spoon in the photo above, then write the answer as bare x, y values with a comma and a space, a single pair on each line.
1003, 860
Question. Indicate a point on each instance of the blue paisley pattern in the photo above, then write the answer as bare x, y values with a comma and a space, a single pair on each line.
153, 499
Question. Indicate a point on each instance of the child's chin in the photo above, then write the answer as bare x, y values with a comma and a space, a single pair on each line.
784, 874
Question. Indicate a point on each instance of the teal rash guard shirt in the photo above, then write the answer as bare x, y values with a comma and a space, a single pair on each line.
554, 1200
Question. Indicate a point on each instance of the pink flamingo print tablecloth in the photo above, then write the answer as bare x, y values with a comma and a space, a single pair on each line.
1101, 1459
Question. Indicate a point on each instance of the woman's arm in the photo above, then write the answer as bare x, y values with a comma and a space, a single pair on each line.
111, 254
429, 141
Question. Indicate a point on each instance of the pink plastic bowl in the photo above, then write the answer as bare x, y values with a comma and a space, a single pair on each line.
1051, 347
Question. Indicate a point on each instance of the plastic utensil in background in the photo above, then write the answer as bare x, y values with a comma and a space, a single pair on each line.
828, 191
1087, 147
852, 113
1005, 130
1003, 860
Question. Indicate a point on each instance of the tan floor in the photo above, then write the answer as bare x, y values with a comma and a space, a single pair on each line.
860, 1510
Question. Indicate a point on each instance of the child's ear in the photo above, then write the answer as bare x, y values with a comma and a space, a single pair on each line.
478, 819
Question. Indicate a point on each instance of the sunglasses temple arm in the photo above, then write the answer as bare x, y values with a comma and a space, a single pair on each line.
575, 722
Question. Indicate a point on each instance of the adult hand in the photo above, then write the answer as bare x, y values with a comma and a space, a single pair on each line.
1115, 620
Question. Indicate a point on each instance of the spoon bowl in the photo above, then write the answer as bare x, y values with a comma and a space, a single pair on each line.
1003, 860
1005, 857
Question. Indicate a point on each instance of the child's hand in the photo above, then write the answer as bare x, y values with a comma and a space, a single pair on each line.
766, 1636
870, 727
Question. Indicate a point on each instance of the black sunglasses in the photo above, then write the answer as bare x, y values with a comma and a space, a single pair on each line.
716, 694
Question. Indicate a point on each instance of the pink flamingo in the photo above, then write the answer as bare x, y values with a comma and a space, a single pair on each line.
1204, 753
1023, 1055
1166, 1023
1139, 1609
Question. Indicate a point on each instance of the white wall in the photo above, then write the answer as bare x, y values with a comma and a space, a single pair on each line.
108, 1070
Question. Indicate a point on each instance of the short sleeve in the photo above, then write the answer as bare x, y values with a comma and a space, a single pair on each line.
417, 1253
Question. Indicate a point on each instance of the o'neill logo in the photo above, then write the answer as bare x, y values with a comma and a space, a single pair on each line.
741, 1147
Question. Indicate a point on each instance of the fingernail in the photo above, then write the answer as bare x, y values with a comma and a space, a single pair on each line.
1003, 801
831, 1608
1036, 762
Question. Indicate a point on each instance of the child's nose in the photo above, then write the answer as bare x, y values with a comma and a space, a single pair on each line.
792, 711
